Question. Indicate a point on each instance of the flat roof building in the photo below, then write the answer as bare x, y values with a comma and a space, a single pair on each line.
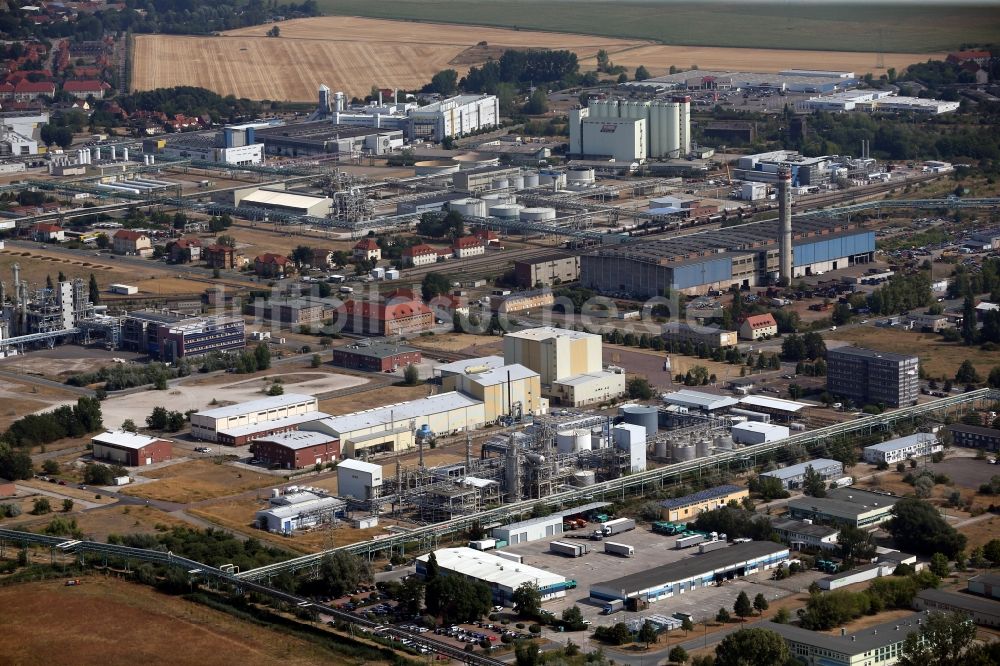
359, 479
501, 575
295, 511
868, 376
801, 534
378, 356
130, 449
902, 448
704, 570
244, 434
977, 437
687, 508
678, 332
848, 506
296, 449
756, 432
879, 645
705, 402
455, 116
778, 407
276, 199
793, 475
547, 271
509, 391
206, 424
984, 612
985, 584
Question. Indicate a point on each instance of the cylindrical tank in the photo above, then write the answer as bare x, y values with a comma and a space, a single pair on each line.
660, 448
537, 214
584, 478
573, 441
95, 153
724, 442
507, 210
469, 207
473, 160
516, 182
435, 167
672, 144
499, 184
682, 452
275, 492
535, 458
530, 180
580, 176
703, 448
646, 416
597, 439
125, 154
493, 198
583, 442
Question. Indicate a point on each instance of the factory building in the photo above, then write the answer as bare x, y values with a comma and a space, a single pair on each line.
547, 271
631, 130
501, 575
130, 449
878, 101
533, 529
199, 335
206, 424
742, 257
450, 372
756, 432
375, 356
764, 168
791, 80
848, 506
296, 449
359, 479
867, 376
775, 407
244, 434
453, 117
589, 388
687, 508
236, 145
793, 475
296, 511
983, 612
801, 534
705, 570
879, 645
325, 138
901, 448
698, 400
393, 427
678, 332
977, 437
507, 391
275, 198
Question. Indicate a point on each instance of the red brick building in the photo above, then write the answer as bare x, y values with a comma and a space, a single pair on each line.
297, 449
375, 357
220, 256
272, 265
395, 318
130, 449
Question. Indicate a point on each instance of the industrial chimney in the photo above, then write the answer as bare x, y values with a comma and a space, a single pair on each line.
785, 224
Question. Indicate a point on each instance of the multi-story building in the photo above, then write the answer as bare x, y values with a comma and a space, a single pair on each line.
880, 645
206, 424
867, 376
522, 301
394, 318
85, 89
272, 265
756, 327
455, 116
185, 250
846, 506
367, 249
127, 241
200, 335
296, 449
801, 534
375, 356
220, 256
902, 448
507, 391
793, 475
420, 255
977, 437
554, 353
547, 271
468, 246
678, 332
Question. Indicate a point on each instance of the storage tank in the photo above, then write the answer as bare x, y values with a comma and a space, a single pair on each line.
580, 176
498, 198
682, 452
468, 207
507, 211
724, 442
95, 153
672, 144
499, 184
435, 167
660, 449
537, 214
125, 154
646, 416
530, 180
473, 160
703, 448
584, 478
597, 439
516, 182
573, 441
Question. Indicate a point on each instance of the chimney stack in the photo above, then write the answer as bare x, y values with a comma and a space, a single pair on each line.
785, 223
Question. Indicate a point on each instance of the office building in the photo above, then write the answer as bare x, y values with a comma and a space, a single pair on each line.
982, 611
901, 448
502, 576
867, 376
976, 437
453, 117
846, 506
801, 534
375, 356
792, 476
879, 645
686, 508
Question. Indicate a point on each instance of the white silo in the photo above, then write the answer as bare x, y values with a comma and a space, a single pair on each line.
681, 451
582, 440
672, 138
584, 478
95, 153
497, 198
565, 440
82, 157
469, 207
125, 154
506, 211
112, 153
703, 448
580, 176
684, 124
516, 182
499, 184
597, 439
152, 159
660, 448
531, 179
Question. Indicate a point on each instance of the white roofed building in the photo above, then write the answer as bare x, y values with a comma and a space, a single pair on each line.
359, 479
706, 402
502, 576
902, 448
206, 424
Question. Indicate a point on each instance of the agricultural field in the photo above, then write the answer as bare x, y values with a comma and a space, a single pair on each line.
108, 621
352, 54
827, 26
197, 480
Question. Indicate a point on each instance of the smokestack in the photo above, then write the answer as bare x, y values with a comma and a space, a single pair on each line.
785, 223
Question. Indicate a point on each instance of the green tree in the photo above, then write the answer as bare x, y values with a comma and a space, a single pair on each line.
782, 616
994, 379
855, 543
527, 653
411, 375
812, 483
458, 599
647, 634
760, 603
98, 475
991, 551
94, 290
538, 103
341, 572
128, 425
917, 527
687, 625
444, 82
939, 565
942, 640
67, 505
316, 361
752, 647
41, 506
158, 418
639, 389
967, 373
434, 284
276, 389
302, 256
410, 594
794, 391
969, 321
742, 606
641, 73
527, 600
573, 619
723, 616
678, 655
50, 466
262, 356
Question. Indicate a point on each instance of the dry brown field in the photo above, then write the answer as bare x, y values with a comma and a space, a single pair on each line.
939, 358
352, 54
198, 480
110, 622
18, 399
253, 240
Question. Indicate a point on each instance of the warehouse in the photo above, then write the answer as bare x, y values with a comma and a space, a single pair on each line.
507, 391
501, 575
547, 271
705, 570
791, 80
484, 178
296, 449
902, 448
801, 534
532, 529
206, 424
275, 198
847, 506
778, 407
375, 356
296, 511
881, 644
619, 139
792, 476
589, 388
686, 508
699, 400
130, 449
453, 117
244, 434
986, 585
984, 612
389, 428
324, 138
740, 256
359, 479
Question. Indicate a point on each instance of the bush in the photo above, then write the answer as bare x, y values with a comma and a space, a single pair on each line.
535, 629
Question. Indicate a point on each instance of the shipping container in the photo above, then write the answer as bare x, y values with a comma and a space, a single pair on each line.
618, 526
621, 549
568, 549
711, 545
690, 540
613, 607
483, 544
513, 557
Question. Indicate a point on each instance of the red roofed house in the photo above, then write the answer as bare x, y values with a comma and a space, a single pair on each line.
27, 90
185, 250
468, 246
48, 233
979, 57
127, 241
6, 91
85, 89
756, 327
367, 248
487, 236
220, 256
419, 255
272, 265
394, 318
321, 258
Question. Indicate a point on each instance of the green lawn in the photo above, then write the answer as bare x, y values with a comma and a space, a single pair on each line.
836, 27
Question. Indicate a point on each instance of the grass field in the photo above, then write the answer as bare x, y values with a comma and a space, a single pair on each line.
198, 480
826, 26
109, 622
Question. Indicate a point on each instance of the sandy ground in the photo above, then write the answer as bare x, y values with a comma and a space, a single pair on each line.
197, 480
477, 345
18, 399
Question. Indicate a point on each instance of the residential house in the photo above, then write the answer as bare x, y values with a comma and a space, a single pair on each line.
127, 241
273, 265
48, 233
367, 249
84, 89
419, 255
26, 91
220, 256
468, 246
185, 250
756, 327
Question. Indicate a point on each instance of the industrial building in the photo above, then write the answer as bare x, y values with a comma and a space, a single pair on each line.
901, 448
244, 434
453, 117
791, 80
976, 437
877, 101
275, 198
792, 476
296, 449
508, 391
532, 529
547, 271
985, 584
235, 145
375, 356
848, 506
867, 376
196, 336
394, 427
699, 400
687, 508
631, 130
359, 479
805, 171
982, 611
589, 388
742, 256
501, 575
774, 407
687, 575
399, 316
206, 424
801, 534
297, 511
326, 138
880, 645
130, 449
679, 333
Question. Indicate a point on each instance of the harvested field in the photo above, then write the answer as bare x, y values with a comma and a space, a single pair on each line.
253, 240
107, 621
198, 480
97, 524
939, 359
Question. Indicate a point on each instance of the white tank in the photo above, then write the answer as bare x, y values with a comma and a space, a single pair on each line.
125, 154
516, 182
95, 153
672, 144
580, 176
584, 478
724, 443
597, 439
474, 160
530, 180
573, 441
682, 452
499, 184
469, 207
498, 198
538, 214
275, 492
435, 167
703, 448
660, 449
506, 210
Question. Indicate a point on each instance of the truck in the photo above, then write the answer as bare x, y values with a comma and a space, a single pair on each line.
568, 549
617, 526
622, 549
711, 545
613, 607
690, 540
